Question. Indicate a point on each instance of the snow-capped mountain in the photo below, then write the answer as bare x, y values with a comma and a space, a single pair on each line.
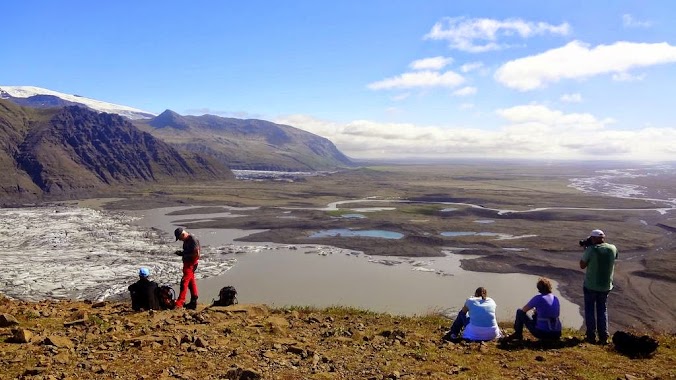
42, 97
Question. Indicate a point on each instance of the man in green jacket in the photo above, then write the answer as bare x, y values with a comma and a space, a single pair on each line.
599, 261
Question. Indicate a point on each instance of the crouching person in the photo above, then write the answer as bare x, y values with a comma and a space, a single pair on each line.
545, 322
481, 324
144, 292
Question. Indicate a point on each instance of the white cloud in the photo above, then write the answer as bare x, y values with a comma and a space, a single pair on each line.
400, 97
529, 131
433, 63
578, 60
628, 21
465, 91
466, 106
542, 115
571, 98
471, 66
419, 79
478, 35
627, 77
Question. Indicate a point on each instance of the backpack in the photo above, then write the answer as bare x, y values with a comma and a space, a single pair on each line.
226, 296
633, 345
166, 297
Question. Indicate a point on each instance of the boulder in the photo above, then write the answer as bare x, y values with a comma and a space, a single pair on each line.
21, 336
236, 373
7, 320
59, 341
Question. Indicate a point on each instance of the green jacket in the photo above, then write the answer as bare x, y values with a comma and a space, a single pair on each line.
600, 261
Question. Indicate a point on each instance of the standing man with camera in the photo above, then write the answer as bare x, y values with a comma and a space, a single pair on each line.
599, 261
190, 254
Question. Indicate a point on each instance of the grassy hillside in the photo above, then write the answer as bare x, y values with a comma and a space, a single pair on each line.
71, 340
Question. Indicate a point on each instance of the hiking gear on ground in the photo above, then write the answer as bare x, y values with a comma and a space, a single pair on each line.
634, 345
226, 296
166, 297
178, 232
144, 272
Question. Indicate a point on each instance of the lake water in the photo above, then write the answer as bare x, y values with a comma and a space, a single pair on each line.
282, 275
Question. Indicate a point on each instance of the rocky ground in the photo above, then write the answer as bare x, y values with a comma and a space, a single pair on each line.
83, 340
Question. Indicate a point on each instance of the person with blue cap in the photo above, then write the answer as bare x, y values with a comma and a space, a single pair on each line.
144, 292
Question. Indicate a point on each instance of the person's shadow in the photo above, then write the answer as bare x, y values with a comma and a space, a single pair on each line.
541, 344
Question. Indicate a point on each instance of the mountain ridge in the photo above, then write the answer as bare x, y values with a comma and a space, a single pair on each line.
73, 149
253, 144
245, 144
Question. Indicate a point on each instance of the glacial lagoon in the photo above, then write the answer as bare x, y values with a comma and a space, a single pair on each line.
316, 275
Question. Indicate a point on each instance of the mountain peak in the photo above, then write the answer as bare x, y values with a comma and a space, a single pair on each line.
169, 119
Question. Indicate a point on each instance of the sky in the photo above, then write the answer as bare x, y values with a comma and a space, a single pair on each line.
379, 78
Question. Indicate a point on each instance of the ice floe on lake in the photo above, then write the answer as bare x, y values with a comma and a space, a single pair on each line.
71, 252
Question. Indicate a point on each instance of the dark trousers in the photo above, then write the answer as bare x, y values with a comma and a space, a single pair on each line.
460, 322
596, 302
523, 319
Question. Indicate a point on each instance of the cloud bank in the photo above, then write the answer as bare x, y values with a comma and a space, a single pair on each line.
578, 60
528, 131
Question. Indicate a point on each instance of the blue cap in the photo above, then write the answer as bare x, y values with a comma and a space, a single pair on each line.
144, 272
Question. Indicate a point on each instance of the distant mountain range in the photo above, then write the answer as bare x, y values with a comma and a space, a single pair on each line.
247, 144
237, 143
74, 150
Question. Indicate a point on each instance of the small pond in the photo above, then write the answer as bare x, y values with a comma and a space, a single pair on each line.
344, 232
353, 216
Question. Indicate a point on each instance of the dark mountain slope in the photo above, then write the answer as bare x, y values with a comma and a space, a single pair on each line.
41, 101
247, 144
74, 149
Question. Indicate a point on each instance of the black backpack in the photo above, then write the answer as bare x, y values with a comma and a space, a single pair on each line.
633, 345
166, 297
226, 296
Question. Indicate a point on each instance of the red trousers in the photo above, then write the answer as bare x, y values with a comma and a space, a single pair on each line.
187, 282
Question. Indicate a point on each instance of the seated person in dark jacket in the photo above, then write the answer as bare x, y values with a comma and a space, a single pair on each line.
144, 292
545, 323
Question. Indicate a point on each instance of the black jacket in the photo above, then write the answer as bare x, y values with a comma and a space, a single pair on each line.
191, 249
144, 295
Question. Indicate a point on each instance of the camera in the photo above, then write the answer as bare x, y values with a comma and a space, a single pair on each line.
586, 242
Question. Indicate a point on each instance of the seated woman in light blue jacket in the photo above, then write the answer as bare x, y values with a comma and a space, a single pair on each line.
481, 323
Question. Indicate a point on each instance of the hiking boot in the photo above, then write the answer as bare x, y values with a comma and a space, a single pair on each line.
590, 340
192, 305
514, 336
451, 337
603, 341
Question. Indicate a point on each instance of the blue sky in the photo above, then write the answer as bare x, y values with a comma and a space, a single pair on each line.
524, 79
